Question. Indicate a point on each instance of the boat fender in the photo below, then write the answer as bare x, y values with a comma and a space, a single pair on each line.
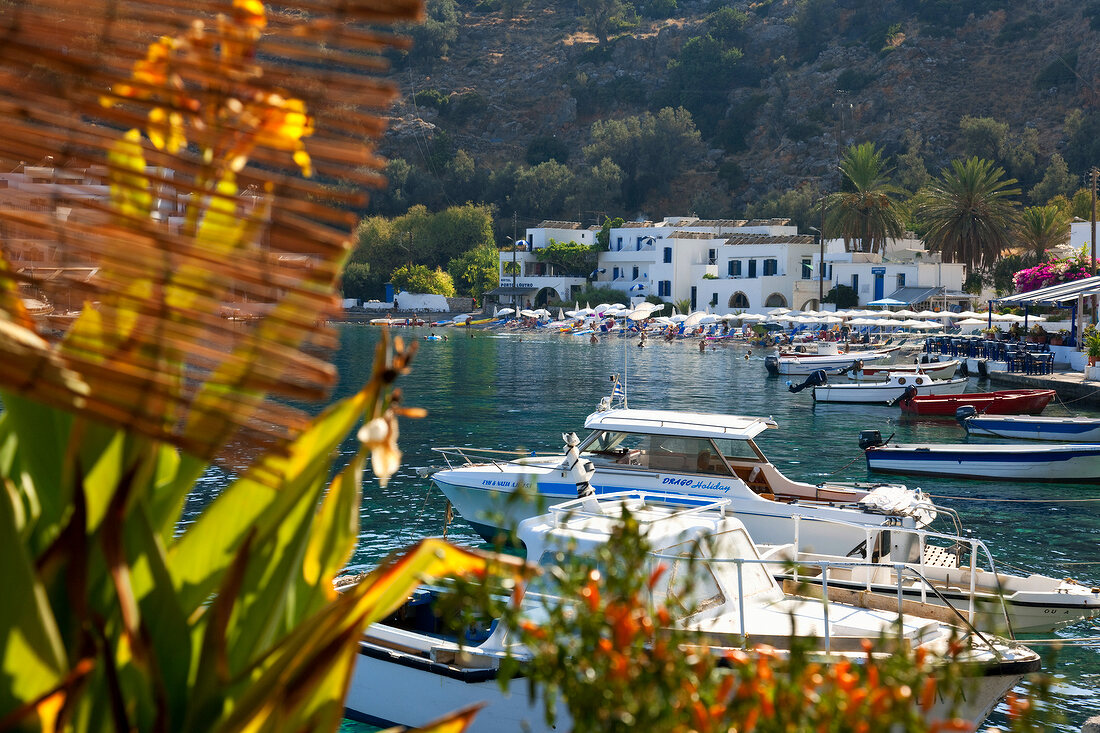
817, 378
909, 393
577, 469
983, 369
963, 412
963, 369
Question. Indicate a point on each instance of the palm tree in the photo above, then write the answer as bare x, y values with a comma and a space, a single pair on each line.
865, 212
968, 213
1042, 228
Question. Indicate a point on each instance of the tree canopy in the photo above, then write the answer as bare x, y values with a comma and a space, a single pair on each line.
421, 279
969, 212
649, 150
865, 213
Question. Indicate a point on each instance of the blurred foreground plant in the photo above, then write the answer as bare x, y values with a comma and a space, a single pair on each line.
117, 616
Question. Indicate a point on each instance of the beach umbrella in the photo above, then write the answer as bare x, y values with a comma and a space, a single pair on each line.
639, 314
971, 322
561, 316
543, 312
777, 311
926, 326
710, 318
1008, 317
677, 318
694, 319
504, 312
970, 314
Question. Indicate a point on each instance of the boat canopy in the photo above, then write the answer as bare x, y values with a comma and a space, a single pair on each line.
682, 424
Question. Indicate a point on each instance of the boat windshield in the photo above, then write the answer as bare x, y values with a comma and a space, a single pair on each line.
672, 452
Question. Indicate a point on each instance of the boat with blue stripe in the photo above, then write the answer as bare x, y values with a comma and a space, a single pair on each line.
1071, 462
1030, 427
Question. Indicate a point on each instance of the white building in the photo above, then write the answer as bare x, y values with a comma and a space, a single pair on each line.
684, 258
906, 273
524, 280
727, 265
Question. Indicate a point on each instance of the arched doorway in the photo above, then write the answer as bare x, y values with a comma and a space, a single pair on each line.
811, 305
775, 300
545, 295
739, 301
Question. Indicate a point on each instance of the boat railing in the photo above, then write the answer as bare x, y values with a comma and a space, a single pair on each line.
457, 456
901, 570
973, 544
592, 506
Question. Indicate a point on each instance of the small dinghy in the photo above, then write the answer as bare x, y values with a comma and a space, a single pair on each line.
1073, 462
1030, 427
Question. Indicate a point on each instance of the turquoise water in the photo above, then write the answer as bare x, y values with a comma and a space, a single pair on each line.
508, 390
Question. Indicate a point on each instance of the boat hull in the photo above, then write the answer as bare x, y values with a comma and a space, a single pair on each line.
885, 393
1070, 463
805, 365
1028, 427
935, 370
1028, 613
488, 500
1003, 402
393, 687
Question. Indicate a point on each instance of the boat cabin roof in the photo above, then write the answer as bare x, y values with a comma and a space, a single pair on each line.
683, 424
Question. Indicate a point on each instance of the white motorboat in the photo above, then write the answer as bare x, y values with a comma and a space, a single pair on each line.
407, 672
1030, 427
701, 456
794, 363
956, 573
1069, 462
932, 369
896, 386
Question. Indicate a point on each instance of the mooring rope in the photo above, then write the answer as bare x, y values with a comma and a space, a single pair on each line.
1015, 501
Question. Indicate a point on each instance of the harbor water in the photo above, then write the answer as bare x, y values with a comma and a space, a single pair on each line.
509, 390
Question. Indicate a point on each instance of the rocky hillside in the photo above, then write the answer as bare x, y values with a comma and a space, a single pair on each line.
812, 77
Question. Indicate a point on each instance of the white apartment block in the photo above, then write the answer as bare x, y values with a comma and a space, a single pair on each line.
725, 265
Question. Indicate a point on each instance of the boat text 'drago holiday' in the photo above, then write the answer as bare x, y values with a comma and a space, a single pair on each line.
794, 363
699, 455
896, 386
955, 574
1001, 402
1067, 462
733, 602
1029, 427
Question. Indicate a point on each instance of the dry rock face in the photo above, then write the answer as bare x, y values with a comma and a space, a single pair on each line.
540, 73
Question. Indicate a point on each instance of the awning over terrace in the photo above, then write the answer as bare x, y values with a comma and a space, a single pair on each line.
1061, 293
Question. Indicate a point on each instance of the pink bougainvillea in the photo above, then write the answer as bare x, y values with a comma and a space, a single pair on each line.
1052, 272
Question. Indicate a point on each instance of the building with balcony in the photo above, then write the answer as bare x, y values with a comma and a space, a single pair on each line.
906, 273
534, 282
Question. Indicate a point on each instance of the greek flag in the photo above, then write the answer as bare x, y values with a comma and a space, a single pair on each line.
617, 392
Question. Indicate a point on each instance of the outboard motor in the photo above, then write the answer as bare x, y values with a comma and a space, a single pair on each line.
575, 468
817, 378
870, 439
964, 412
771, 363
909, 393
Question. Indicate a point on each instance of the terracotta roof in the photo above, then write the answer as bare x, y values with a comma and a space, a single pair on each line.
694, 235
548, 224
770, 239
